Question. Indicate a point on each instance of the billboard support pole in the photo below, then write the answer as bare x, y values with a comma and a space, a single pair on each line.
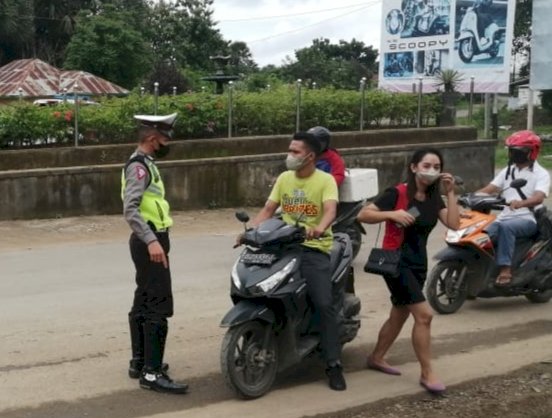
470, 109
494, 117
530, 110
420, 91
487, 130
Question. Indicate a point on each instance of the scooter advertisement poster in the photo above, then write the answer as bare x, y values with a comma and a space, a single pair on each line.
422, 37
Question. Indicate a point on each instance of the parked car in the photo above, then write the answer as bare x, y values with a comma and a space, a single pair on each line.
55, 101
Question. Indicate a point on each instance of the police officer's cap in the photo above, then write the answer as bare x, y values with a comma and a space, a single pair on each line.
163, 124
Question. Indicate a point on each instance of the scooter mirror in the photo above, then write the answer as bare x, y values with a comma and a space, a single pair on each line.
242, 216
459, 181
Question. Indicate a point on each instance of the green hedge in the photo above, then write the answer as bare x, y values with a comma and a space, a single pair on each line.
204, 115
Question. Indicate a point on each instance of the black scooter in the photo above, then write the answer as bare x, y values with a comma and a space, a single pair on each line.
271, 325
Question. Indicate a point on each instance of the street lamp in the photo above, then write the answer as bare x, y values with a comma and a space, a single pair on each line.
362, 100
156, 97
76, 89
230, 105
298, 109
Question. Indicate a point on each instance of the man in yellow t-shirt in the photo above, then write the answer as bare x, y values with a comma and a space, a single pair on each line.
308, 194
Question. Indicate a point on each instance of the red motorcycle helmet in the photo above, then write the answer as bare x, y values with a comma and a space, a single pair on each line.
525, 140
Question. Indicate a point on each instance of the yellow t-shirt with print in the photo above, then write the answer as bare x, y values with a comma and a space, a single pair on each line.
306, 195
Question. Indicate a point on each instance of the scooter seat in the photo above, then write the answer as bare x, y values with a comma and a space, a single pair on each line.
338, 248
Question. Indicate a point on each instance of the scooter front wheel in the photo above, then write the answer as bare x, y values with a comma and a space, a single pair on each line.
446, 288
249, 359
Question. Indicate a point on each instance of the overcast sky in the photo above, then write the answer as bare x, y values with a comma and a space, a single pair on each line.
274, 29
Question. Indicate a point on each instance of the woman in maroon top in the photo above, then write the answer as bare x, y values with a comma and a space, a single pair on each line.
422, 191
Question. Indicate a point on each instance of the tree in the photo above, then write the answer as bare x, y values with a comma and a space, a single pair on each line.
241, 59
184, 32
522, 35
168, 75
16, 30
106, 45
339, 65
54, 25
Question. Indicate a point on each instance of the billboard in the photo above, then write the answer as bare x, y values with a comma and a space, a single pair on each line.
421, 37
541, 53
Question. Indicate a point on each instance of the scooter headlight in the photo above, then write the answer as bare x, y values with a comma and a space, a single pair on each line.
271, 282
235, 276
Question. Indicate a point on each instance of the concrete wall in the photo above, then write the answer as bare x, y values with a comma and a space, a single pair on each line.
26, 159
224, 181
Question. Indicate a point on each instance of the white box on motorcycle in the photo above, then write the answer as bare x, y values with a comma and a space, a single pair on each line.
359, 184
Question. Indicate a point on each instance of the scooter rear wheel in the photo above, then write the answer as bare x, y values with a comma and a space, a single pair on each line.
446, 288
249, 369
541, 297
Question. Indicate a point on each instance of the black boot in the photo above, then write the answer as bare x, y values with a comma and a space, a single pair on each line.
334, 371
152, 377
136, 325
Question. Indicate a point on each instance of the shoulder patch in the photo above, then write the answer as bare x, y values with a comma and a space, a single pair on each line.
140, 171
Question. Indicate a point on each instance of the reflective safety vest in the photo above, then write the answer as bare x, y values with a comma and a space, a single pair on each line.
153, 206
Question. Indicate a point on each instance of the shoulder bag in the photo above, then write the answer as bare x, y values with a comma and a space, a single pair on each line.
385, 261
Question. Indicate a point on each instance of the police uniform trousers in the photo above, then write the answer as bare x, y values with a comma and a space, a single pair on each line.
152, 305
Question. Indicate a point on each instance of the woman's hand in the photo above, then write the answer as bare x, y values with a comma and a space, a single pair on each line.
402, 218
447, 180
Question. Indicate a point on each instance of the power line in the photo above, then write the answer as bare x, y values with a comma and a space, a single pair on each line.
247, 19
374, 2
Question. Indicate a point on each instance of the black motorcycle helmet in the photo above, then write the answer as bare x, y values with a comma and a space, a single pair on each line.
322, 135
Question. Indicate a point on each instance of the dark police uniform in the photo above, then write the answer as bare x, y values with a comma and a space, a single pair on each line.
148, 215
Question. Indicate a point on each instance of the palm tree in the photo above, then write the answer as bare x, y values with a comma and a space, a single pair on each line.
449, 80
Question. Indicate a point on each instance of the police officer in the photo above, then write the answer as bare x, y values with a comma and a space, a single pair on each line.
147, 213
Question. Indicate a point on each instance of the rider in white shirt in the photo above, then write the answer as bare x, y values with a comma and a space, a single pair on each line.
517, 219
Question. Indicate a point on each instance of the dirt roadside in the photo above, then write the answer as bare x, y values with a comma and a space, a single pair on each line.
525, 393
26, 234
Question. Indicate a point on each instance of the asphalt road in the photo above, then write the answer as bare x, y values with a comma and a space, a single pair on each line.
65, 345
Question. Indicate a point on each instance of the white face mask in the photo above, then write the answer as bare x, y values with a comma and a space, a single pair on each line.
294, 163
429, 176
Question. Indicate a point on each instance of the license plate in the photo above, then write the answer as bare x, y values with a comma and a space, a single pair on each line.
254, 258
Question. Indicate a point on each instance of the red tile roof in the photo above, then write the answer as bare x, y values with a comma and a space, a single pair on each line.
36, 78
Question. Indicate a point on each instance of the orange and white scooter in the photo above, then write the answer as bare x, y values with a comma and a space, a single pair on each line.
466, 268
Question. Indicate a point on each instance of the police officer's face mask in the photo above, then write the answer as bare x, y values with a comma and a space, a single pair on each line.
162, 151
